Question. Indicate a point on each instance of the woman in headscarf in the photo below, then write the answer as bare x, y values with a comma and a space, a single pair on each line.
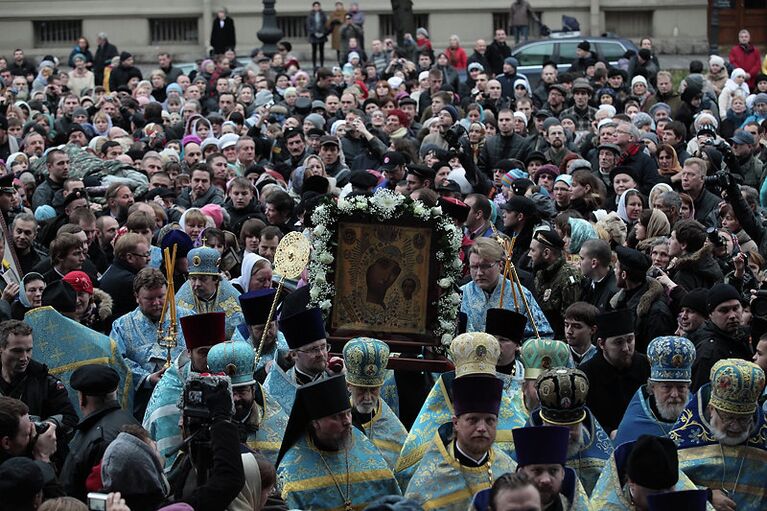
93, 306
30, 297
630, 206
256, 273
653, 224
668, 163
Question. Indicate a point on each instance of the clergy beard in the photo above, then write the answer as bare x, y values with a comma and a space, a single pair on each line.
719, 432
575, 446
340, 443
669, 412
366, 407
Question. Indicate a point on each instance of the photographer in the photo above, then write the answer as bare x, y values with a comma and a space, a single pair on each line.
744, 214
694, 184
208, 474
20, 437
458, 140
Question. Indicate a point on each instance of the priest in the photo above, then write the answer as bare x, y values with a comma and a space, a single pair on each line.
656, 406
324, 462
366, 361
255, 309
461, 459
538, 356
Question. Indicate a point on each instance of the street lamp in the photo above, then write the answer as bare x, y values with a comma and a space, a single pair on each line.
270, 34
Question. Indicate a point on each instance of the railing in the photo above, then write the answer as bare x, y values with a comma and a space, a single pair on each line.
173, 30
56, 32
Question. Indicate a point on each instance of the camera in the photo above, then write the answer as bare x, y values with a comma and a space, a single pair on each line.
453, 136
97, 501
41, 426
654, 272
201, 393
721, 180
717, 240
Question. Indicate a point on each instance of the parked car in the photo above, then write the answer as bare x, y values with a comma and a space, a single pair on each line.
561, 50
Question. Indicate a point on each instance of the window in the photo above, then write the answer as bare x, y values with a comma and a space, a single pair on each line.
611, 52
386, 24
567, 52
57, 32
293, 27
629, 23
535, 55
173, 30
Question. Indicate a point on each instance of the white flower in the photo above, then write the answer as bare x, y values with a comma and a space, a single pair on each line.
319, 230
419, 209
385, 201
447, 326
325, 305
319, 278
457, 264
445, 283
446, 339
360, 205
325, 258
436, 211
455, 298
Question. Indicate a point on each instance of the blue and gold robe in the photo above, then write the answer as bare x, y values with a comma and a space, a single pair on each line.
611, 492
306, 482
136, 336
242, 333
639, 419
65, 345
224, 301
739, 469
441, 483
590, 461
475, 303
437, 410
572, 495
389, 392
266, 426
282, 385
386, 432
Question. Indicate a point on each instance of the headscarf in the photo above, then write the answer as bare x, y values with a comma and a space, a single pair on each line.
248, 262
29, 277
658, 189
675, 165
580, 231
658, 225
622, 205
249, 497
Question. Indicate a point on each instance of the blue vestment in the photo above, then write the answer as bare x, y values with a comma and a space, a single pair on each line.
639, 419
737, 469
136, 336
242, 333
475, 303
308, 483
224, 301
386, 432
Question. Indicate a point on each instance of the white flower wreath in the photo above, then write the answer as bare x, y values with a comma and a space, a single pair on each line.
386, 205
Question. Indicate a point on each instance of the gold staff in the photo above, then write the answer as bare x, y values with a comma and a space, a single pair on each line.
290, 259
511, 270
168, 340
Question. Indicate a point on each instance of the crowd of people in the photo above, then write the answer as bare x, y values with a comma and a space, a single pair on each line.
627, 211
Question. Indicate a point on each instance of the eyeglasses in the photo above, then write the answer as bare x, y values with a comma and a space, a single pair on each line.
145, 256
317, 350
483, 267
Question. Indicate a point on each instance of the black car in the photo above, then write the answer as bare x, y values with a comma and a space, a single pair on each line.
561, 50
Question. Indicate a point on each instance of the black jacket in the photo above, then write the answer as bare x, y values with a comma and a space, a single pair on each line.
121, 76
92, 436
645, 169
653, 317
611, 389
706, 208
499, 147
599, 293
698, 269
713, 344
495, 54
223, 38
118, 282
104, 55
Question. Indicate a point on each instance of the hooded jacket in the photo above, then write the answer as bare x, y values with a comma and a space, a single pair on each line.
653, 316
697, 270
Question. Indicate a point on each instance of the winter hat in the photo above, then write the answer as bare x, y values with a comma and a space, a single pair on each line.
521, 115
395, 82
190, 139
584, 45
450, 109
760, 98
316, 119
512, 175
716, 59
130, 467
720, 293
44, 212
215, 212
511, 61
352, 55
638, 79
124, 56
80, 281
652, 137
422, 32
644, 53
738, 71
174, 87
643, 119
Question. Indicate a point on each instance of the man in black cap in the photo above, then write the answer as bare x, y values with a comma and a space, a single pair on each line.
640, 468
330, 153
7, 191
393, 168
584, 58
21, 485
419, 176
255, 309
305, 334
641, 294
722, 336
557, 284
509, 328
541, 456
520, 216
581, 110
693, 313
96, 387
321, 445
123, 73
462, 459
362, 182
617, 371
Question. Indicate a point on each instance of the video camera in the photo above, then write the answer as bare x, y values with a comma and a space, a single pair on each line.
204, 398
453, 136
721, 180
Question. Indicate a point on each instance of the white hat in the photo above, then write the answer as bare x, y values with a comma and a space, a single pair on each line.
638, 79
228, 140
